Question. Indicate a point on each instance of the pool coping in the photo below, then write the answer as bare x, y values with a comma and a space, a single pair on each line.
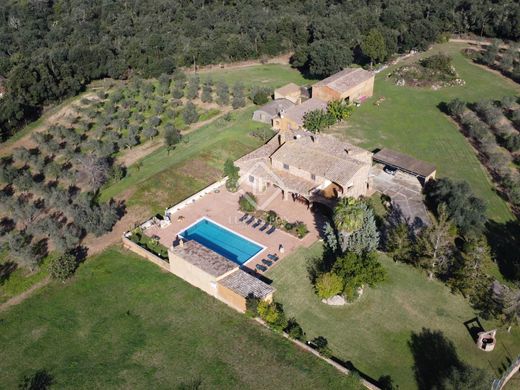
263, 247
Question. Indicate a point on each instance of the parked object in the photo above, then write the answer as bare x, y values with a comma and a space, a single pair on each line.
261, 268
272, 257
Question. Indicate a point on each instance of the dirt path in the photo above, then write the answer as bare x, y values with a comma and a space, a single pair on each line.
23, 296
62, 116
133, 155
283, 59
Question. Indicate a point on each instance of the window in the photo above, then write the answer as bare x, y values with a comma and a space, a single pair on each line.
286, 166
313, 177
251, 179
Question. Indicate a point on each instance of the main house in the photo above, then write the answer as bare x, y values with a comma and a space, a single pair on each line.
349, 85
315, 168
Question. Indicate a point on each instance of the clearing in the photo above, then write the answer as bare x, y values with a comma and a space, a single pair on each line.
122, 323
374, 333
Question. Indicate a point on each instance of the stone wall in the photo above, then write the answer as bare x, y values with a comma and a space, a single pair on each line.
132, 246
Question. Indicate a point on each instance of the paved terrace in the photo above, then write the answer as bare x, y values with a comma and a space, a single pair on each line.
222, 207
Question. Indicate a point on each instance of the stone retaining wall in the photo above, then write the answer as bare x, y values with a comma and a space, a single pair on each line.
132, 246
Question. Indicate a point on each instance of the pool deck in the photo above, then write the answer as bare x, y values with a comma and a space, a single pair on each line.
222, 207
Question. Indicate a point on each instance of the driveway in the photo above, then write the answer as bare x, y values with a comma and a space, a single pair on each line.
405, 191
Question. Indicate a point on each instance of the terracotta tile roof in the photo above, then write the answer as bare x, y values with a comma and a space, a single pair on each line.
297, 112
275, 106
204, 258
404, 162
246, 285
318, 161
345, 79
288, 89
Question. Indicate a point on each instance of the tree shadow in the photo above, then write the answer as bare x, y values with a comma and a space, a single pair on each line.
6, 269
474, 327
504, 240
40, 380
435, 358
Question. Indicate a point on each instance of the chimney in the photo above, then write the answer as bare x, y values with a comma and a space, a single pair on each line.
281, 113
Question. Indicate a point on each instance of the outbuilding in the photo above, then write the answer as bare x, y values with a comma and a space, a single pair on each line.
271, 110
423, 170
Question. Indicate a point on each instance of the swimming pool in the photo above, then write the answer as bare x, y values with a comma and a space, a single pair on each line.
222, 240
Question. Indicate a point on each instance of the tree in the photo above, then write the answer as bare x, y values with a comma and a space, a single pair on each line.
358, 270
435, 243
193, 87
238, 96
190, 114
172, 137
247, 202
348, 215
399, 243
22, 251
466, 211
467, 378
231, 171
339, 110
178, 89
489, 55
316, 120
150, 132
63, 267
374, 46
260, 95
273, 314
325, 57
207, 91
222, 94
92, 170
366, 238
456, 107
328, 285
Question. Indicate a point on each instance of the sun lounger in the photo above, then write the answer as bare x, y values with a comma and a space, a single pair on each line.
248, 222
267, 262
244, 217
272, 257
266, 225
257, 223
261, 267
271, 231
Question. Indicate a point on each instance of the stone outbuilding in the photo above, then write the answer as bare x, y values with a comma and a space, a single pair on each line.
271, 110
350, 85
292, 119
291, 92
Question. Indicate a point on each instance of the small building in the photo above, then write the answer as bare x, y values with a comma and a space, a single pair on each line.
350, 85
423, 170
271, 110
291, 92
292, 119
216, 275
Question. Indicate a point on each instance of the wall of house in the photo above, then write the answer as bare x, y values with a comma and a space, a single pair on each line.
360, 183
325, 93
193, 275
231, 298
294, 97
285, 123
130, 245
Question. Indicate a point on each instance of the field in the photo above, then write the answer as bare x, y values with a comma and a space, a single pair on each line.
122, 323
375, 332
162, 179
409, 120
271, 75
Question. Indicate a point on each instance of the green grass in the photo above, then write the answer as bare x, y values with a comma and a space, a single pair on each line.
410, 121
271, 75
21, 279
165, 179
373, 333
123, 323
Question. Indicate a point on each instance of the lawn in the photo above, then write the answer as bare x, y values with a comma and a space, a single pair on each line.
270, 75
374, 332
409, 120
163, 179
123, 323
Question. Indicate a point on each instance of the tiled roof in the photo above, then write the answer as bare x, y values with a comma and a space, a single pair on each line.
275, 106
246, 285
296, 113
405, 162
204, 258
345, 79
288, 89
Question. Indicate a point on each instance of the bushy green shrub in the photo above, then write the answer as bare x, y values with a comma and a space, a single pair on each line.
328, 285
272, 313
294, 330
63, 267
301, 229
247, 202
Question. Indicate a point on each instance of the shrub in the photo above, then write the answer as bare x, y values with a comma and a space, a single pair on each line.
328, 285
63, 267
439, 62
456, 107
247, 202
273, 314
252, 303
272, 217
260, 96
321, 345
231, 171
294, 330
190, 114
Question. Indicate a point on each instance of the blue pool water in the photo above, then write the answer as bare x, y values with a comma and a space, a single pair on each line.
221, 240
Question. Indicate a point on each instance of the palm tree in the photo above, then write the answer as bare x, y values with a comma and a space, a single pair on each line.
348, 215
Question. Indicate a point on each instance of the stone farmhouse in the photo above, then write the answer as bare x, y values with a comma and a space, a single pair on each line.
272, 110
351, 85
313, 168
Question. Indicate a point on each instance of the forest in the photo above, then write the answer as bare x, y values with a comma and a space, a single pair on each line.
50, 49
